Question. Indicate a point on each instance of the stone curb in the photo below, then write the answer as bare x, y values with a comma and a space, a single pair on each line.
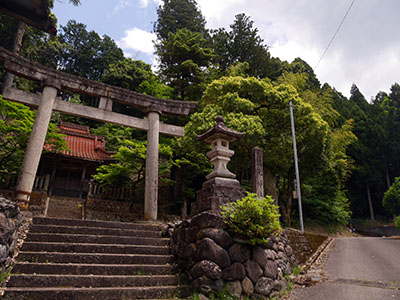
310, 273
309, 263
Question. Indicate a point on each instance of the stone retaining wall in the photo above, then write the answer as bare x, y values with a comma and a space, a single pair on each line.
10, 219
304, 244
213, 259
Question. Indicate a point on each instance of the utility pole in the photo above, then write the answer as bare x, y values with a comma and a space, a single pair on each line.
296, 165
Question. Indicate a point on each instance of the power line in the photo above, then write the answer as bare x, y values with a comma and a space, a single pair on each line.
337, 30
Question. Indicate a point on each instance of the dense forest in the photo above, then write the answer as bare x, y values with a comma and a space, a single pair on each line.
348, 148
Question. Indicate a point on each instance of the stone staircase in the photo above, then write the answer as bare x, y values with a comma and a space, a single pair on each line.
80, 259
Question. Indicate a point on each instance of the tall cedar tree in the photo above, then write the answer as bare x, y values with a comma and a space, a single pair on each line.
182, 47
243, 44
178, 14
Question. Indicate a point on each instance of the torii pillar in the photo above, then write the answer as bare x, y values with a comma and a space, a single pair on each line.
33, 152
151, 182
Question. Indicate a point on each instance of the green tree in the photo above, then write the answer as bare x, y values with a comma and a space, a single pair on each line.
391, 198
184, 56
299, 66
16, 124
324, 197
135, 75
390, 116
243, 44
129, 170
324, 191
182, 48
85, 53
114, 135
368, 152
178, 14
260, 109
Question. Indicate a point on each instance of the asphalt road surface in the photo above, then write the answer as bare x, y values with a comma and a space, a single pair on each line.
358, 268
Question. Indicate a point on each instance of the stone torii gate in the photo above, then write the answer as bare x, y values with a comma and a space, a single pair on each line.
47, 102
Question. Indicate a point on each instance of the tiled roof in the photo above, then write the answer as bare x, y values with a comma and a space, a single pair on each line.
82, 144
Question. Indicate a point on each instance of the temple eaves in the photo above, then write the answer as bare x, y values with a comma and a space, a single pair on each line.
35, 13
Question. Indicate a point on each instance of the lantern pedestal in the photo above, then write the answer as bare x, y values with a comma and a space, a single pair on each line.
217, 192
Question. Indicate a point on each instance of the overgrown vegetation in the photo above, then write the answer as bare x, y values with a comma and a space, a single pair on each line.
253, 218
391, 198
397, 222
5, 275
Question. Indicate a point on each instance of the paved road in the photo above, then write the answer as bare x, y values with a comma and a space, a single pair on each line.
359, 268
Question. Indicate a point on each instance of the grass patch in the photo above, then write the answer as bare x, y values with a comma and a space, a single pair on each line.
142, 273
5, 275
296, 270
326, 229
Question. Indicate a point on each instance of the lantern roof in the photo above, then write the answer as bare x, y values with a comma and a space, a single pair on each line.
219, 130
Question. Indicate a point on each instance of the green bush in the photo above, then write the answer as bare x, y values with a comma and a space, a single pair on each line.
397, 222
391, 198
254, 218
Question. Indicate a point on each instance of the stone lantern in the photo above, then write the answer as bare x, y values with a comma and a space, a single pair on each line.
219, 137
221, 186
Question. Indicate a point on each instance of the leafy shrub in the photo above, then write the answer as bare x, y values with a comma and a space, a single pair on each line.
397, 222
254, 218
391, 198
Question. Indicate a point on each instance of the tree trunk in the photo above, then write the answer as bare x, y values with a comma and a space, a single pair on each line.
387, 178
371, 209
9, 78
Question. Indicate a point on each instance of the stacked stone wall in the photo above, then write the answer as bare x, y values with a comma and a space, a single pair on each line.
10, 219
213, 259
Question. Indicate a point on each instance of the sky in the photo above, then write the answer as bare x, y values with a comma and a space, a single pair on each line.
365, 51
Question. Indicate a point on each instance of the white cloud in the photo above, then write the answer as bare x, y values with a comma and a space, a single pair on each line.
365, 51
145, 3
289, 50
122, 4
138, 40
217, 12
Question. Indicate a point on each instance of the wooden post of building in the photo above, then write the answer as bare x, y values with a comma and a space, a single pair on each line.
47, 183
52, 178
82, 182
35, 146
151, 184
257, 174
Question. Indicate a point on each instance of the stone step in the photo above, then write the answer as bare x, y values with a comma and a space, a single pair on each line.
109, 293
91, 269
94, 248
93, 258
77, 259
144, 225
38, 228
94, 239
47, 280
